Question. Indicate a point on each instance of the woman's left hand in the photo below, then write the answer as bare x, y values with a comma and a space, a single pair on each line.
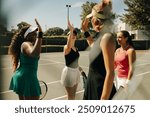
71, 28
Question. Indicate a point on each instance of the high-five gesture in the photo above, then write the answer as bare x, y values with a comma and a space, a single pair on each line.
71, 28
38, 25
85, 24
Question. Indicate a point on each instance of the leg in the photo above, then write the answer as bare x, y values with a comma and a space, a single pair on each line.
71, 91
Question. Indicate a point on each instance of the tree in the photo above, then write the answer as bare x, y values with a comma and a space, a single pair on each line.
55, 31
137, 14
86, 9
3, 29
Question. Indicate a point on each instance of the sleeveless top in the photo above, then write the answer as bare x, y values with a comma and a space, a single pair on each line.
28, 62
71, 59
96, 74
122, 62
96, 59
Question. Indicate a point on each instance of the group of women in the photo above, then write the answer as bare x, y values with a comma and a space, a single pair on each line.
104, 58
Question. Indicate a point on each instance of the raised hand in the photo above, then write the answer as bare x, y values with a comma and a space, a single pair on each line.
107, 1
70, 26
85, 24
38, 25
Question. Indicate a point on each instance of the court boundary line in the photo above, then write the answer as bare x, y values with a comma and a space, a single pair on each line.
64, 96
8, 91
64, 63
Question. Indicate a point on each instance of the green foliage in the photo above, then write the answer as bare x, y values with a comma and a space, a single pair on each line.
3, 29
137, 14
54, 31
86, 9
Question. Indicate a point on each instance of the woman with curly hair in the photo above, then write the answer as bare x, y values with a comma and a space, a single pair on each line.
25, 49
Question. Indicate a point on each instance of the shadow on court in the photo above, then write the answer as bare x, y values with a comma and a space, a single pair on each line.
50, 68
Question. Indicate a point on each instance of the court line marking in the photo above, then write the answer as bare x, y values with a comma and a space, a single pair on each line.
4, 68
58, 81
142, 64
83, 90
65, 96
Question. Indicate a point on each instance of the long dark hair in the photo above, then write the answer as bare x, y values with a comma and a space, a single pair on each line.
15, 46
128, 36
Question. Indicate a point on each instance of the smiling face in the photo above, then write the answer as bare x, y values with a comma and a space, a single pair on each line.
121, 39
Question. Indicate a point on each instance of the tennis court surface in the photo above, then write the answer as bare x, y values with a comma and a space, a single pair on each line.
50, 68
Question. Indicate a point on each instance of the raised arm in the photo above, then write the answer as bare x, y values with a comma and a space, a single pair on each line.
68, 46
37, 46
85, 29
34, 50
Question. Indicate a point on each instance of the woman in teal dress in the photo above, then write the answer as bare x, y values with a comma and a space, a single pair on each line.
25, 49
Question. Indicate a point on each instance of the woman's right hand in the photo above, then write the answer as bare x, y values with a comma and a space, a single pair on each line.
38, 25
85, 24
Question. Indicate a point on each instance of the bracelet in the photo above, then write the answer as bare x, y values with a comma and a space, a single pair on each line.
86, 34
40, 35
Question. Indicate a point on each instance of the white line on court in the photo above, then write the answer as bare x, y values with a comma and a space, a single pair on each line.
81, 91
142, 64
63, 63
58, 81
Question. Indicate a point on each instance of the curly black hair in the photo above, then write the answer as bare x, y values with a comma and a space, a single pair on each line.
15, 46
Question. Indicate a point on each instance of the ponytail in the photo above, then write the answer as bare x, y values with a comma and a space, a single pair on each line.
128, 36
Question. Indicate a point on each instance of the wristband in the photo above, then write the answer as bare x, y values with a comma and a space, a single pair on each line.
40, 34
86, 34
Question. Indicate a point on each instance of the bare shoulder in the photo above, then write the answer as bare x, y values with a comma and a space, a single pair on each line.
108, 37
66, 50
131, 51
26, 44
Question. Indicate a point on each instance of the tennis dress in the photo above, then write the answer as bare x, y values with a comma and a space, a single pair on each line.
96, 74
24, 81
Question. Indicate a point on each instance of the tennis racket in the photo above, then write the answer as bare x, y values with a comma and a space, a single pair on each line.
44, 89
84, 78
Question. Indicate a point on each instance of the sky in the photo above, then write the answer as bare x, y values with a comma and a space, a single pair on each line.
50, 13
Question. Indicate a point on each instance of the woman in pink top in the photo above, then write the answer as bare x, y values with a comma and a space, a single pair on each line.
125, 57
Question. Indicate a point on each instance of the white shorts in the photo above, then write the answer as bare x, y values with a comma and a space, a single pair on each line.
70, 76
120, 82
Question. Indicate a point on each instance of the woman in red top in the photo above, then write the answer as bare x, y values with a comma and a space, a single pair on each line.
125, 57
